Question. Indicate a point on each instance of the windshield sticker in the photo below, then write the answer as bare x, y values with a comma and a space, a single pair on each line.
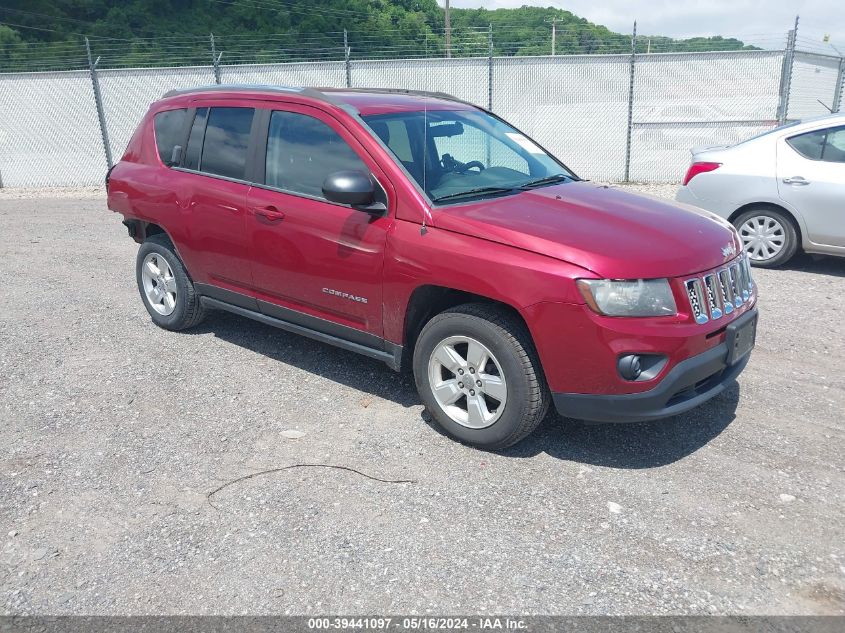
524, 143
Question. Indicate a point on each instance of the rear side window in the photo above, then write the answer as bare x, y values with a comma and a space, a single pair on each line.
169, 127
226, 139
834, 146
827, 145
302, 151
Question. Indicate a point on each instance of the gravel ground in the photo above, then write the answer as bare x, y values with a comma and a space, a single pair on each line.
114, 431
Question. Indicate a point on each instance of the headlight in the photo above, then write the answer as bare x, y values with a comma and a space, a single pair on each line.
634, 298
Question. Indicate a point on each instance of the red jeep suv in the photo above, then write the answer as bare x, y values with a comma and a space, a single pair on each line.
426, 232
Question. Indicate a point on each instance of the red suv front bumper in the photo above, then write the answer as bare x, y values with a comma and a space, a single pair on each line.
580, 352
688, 384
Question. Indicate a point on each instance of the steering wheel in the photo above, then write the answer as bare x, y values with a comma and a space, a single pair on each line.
450, 164
473, 163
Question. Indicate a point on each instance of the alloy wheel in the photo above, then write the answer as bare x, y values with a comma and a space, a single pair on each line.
159, 284
467, 382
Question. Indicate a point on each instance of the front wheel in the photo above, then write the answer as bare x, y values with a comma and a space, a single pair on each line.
768, 236
478, 375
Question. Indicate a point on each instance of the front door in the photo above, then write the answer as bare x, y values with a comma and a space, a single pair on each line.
811, 178
314, 260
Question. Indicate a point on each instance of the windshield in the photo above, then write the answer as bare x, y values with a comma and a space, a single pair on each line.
464, 154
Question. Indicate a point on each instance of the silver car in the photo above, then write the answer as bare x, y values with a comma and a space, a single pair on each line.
783, 190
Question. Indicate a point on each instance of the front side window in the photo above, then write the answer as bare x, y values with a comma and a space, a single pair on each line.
302, 151
826, 145
226, 140
169, 127
458, 155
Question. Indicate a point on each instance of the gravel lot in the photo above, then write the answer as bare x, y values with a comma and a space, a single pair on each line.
114, 431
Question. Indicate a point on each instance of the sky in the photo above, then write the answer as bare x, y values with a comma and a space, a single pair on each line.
758, 22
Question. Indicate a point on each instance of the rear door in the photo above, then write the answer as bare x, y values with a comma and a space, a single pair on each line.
811, 178
214, 202
311, 257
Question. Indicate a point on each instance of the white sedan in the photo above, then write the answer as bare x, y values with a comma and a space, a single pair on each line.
782, 190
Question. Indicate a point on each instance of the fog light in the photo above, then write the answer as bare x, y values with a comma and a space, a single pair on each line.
630, 367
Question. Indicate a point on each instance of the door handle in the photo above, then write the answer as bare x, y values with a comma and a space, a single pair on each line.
270, 213
796, 180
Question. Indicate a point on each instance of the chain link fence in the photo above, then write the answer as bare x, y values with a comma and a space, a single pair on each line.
612, 117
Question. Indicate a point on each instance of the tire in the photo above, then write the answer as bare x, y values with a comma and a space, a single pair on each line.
183, 310
782, 241
512, 371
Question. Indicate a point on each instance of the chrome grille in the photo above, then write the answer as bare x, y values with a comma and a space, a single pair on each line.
720, 292
714, 296
696, 300
736, 284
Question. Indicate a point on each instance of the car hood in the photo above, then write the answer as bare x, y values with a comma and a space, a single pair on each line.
612, 232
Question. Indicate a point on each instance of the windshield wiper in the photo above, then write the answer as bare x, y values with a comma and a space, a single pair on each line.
475, 192
548, 180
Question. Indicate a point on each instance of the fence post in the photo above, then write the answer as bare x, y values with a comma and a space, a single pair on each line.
215, 61
786, 75
98, 100
837, 95
490, 67
630, 104
346, 55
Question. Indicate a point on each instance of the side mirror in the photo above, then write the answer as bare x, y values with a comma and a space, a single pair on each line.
350, 187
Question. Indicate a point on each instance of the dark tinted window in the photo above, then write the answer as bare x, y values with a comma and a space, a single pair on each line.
194, 149
226, 140
809, 145
169, 127
302, 151
834, 146
827, 145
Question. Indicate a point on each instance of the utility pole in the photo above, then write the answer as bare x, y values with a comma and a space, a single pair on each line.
448, 32
554, 32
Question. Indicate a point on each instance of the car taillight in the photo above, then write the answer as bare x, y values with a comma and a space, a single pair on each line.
699, 168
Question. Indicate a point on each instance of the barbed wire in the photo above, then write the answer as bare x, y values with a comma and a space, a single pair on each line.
392, 43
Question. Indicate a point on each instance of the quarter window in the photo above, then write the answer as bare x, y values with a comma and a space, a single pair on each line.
226, 139
302, 151
826, 145
169, 127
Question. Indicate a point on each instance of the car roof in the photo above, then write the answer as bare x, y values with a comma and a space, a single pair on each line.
363, 101
789, 129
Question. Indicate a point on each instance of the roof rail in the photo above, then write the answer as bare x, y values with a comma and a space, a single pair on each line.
255, 87
322, 94
417, 93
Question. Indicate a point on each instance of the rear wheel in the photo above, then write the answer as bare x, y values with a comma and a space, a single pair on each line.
479, 377
768, 236
166, 289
